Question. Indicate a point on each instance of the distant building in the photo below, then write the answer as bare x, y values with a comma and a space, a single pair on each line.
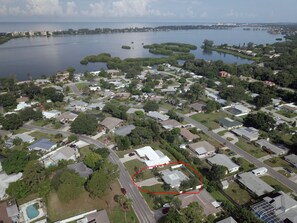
187, 135
270, 147
290, 107
51, 114
224, 74
227, 220
223, 160
157, 116
292, 159
110, 123
237, 109
248, 133
198, 106
152, 157
203, 149
229, 124
125, 130
171, 124
67, 117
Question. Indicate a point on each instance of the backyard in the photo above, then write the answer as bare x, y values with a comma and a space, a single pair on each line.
239, 195
210, 120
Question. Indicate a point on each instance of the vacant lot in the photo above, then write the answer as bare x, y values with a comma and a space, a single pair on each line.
40, 135
239, 195
134, 165
251, 148
58, 210
210, 120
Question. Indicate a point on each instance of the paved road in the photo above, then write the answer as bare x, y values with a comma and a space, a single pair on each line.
244, 154
75, 90
143, 212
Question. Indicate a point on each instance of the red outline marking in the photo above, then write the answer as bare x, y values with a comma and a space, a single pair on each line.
168, 192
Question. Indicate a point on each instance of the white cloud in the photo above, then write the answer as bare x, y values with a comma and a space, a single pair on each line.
44, 7
95, 10
122, 8
71, 8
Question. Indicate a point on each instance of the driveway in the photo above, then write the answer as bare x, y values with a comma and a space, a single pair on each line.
232, 136
219, 130
149, 182
127, 158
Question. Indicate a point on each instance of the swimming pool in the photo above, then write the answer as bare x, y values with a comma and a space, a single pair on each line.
32, 212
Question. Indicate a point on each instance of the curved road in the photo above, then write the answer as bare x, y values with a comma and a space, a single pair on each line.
143, 212
244, 154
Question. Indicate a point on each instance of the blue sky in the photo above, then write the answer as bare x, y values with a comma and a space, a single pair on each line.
149, 10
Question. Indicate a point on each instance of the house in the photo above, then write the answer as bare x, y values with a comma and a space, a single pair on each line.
22, 99
289, 107
21, 106
276, 208
97, 106
5, 180
157, 116
223, 160
64, 153
44, 145
24, 137
187, 135
270, 147
254, 184
237, 109
169, 90
77, 106
248, 133
67, 117
110, 123
198, 106
122, 95
57, 88
94, 88
173, 177
171, 124
269, 83
229, 124
292, 159
206, 201
81, 169
9, 212
4, 133
227, 220
125, 130
260, 171
95, 217
152, 157
224, 74
51, 114
133, 110
203, 149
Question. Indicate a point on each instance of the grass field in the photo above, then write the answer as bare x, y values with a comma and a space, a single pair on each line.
20, 131
81, 86
273, 182
40, 123
239, 195
210, 120
244, 164
287, 114
285, 173
40, 135
251, 148
58, 210
133, 164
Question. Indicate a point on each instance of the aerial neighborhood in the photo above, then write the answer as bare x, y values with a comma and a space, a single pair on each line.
164, 144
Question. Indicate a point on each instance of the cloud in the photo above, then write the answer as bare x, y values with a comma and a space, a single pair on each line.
95, 10
71, 8
44, 7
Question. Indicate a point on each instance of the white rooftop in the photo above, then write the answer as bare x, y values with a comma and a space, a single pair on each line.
153, 157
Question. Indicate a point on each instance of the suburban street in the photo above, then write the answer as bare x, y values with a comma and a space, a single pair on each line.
143, 212
242, 153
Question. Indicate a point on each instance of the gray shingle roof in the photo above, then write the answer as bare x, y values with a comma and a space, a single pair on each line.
173, 177
44, 144
81, 169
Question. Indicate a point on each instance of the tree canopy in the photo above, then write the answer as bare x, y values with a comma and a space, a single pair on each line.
259, 120
84, 124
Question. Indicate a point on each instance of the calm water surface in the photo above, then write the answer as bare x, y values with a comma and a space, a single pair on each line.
48, 55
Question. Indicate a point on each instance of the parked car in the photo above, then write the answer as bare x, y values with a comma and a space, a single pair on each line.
124, 191
131, 154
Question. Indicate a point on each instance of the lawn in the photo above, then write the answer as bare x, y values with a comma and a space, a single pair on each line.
285, 173
81, 86
130, 166
118, 215
121, 153
244, 164
209, 139
219, 196
40, 135
58, 210
273, 182
20, 131
210, 120
279, 162
239, 195
287, 114
251, 148
40, 123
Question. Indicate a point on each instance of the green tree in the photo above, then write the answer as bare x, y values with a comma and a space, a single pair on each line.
207, 44
151, 106
18, 189
84, 124
216, 173
34, 174
259, 120
102, 179
212, 106
27, 114
72, 138
92, 160
71, 71
12, 122
70, 186
17, 141
196, 92
262, 100
16, 161
7, 100
194, 213
123, 142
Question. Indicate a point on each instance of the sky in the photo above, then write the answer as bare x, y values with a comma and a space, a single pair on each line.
148, 10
